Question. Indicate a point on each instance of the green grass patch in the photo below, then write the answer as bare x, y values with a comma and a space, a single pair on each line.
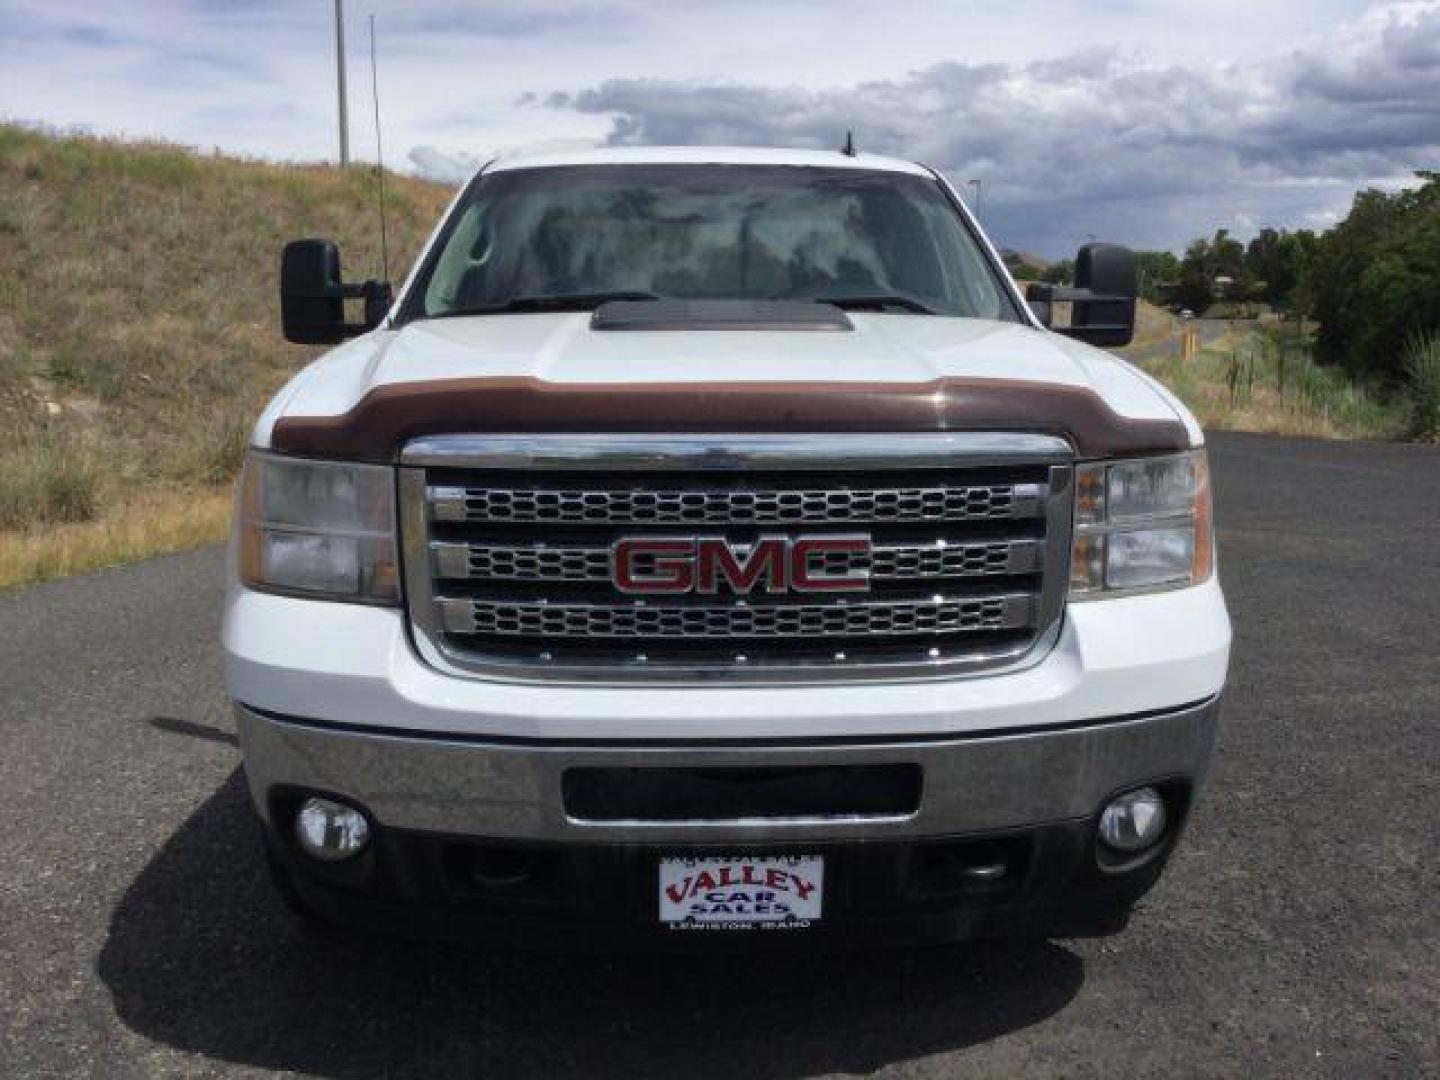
1422, 369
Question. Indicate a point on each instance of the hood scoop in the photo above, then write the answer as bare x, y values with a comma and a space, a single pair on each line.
770, 315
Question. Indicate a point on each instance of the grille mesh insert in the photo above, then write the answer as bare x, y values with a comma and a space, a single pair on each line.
888, 618
892, 562
664, 506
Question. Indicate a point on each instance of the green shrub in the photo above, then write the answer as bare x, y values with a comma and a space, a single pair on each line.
1422, 369
1351, 405
50, 480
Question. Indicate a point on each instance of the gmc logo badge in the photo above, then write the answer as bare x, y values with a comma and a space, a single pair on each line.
772, 564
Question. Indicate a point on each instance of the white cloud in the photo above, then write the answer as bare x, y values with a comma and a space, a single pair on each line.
1098, 141
1148, 123
438, 165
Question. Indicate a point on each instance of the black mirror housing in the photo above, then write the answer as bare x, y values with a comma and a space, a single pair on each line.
1107, 270
1102, 302
312, 295
312, 303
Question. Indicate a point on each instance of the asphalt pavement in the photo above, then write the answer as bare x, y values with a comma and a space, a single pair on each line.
1297, 933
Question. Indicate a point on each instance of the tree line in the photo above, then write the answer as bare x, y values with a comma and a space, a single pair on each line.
1371, 283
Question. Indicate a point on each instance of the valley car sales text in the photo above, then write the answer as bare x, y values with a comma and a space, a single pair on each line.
760, 896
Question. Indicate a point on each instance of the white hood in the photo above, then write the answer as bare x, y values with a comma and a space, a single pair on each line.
561, 348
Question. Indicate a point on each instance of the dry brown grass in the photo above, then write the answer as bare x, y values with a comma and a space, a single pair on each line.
139, 330
144, 524
1152, 324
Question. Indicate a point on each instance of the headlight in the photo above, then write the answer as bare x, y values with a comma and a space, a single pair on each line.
1142, 525
318, 528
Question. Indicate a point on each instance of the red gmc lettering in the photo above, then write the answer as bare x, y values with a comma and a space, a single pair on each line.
775, 563
714, 559
805, 579
674, 568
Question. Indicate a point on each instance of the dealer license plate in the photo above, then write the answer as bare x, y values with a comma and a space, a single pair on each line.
721, 893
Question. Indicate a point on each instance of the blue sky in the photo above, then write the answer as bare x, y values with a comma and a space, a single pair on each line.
1145, 123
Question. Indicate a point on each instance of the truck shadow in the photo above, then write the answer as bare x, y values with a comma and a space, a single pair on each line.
201, 956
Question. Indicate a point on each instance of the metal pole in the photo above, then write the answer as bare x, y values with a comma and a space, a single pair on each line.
379, 156
340, 82
979, 200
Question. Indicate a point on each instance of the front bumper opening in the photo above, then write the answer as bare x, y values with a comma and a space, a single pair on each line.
735, 794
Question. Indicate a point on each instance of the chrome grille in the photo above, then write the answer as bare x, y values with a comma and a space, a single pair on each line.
508, 553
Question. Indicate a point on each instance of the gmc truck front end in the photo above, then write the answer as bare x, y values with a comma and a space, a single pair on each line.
714, 543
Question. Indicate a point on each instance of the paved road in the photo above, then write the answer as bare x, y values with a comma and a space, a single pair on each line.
1297, 934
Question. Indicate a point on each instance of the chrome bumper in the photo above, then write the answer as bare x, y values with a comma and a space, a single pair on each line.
514, 790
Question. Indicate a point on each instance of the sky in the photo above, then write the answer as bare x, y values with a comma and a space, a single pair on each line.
1133, 121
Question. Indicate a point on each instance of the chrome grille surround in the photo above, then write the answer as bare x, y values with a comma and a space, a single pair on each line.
969, 564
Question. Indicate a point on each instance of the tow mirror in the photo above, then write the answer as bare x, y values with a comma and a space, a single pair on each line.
312, 295
1102, 301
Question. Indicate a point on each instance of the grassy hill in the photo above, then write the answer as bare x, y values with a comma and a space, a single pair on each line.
139, 331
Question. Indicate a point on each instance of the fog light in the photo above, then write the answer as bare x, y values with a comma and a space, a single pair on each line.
1133, 821
330, 830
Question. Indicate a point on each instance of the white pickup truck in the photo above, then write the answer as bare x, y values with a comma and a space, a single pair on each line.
716, 542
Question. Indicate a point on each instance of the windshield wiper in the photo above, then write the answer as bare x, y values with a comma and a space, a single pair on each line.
554, 302
878, 300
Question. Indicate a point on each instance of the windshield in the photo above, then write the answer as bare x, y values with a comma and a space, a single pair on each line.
578, 235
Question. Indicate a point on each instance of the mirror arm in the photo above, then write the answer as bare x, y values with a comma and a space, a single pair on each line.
1044, 291
352, 291
376, 294
378, 298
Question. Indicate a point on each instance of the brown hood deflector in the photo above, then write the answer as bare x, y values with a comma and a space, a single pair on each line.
388, 416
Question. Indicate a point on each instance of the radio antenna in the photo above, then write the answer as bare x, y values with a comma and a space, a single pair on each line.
379, 157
